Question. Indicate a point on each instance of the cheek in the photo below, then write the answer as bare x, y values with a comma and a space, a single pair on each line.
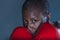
37, 24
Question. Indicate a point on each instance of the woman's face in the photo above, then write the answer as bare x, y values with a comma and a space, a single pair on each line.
32, 18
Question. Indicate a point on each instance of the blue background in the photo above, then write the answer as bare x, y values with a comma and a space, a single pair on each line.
10, 15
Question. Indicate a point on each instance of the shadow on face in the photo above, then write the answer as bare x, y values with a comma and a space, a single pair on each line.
32, 18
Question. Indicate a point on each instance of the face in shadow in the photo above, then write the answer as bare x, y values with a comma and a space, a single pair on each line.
32, 18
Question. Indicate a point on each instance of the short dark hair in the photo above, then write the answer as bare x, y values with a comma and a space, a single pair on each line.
40, 4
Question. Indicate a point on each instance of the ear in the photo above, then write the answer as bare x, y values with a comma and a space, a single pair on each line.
48, 17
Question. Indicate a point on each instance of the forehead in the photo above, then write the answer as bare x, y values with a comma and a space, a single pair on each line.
31, 12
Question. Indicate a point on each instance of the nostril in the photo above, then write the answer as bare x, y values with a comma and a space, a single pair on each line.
31, 25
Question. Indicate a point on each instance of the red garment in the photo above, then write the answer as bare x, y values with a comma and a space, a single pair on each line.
45, 32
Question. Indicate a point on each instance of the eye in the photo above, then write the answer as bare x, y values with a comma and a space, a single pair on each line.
34, 20
25, 22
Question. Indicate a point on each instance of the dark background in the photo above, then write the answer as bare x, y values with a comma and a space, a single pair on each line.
10, 15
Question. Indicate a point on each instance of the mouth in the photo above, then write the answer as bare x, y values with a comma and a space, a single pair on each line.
33, 28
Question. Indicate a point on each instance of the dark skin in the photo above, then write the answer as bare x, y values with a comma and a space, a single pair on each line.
33, 16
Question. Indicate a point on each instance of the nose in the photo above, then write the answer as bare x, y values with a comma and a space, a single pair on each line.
31, 24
